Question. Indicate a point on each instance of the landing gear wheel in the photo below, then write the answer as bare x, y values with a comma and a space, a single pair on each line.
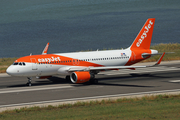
94, 81
68, 79
29, 82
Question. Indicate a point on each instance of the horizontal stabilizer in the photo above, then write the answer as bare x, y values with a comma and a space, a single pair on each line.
147, 54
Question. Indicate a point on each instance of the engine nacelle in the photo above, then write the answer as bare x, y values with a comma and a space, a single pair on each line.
80, 77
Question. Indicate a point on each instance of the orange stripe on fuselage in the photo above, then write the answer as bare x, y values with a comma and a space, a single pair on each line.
56, 60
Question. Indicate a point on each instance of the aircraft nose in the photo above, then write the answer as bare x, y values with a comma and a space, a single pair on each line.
10, 70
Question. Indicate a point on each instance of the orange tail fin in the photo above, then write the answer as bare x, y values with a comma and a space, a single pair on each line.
143, 39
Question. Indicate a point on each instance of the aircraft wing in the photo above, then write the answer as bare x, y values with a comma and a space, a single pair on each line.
103, 68
73, 69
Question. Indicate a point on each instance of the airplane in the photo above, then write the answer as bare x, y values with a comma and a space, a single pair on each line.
81, 67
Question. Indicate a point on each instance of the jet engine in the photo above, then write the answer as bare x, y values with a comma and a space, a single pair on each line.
80, 77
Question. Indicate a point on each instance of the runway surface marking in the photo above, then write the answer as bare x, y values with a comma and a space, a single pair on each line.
26, 89
174, 81
4, 75
89, 98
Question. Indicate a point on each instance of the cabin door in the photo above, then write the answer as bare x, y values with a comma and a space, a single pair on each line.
34, 64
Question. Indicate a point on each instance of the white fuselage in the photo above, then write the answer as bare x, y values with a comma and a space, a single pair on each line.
101, 58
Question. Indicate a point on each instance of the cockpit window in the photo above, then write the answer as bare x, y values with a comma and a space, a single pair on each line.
15, 63
19, 63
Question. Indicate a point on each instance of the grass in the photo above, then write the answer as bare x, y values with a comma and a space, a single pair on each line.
171, 47
146, 108
4, 63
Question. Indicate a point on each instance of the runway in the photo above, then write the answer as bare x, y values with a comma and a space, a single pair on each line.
159, 79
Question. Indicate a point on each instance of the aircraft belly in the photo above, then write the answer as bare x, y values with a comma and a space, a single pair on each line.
48, 69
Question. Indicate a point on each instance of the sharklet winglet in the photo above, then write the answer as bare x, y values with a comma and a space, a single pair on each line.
45, 49
160, 59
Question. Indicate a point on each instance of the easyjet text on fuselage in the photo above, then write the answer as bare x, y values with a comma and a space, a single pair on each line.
52, 59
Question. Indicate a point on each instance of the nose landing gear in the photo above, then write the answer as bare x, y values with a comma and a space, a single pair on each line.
29, 81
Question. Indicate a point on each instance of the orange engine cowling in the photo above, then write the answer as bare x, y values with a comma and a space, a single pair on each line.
80, 77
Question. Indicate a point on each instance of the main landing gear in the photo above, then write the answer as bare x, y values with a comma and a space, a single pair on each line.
94, 81
29, 81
